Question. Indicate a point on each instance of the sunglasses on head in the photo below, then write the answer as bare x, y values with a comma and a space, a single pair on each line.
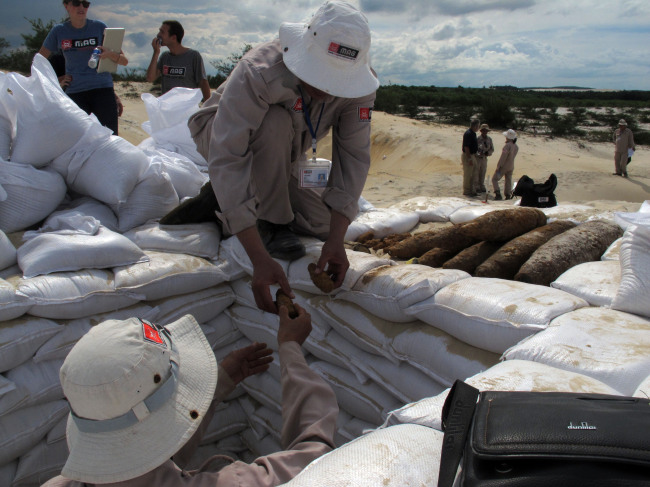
76, 3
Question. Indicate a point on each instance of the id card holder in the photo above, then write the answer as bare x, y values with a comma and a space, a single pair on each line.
314, 173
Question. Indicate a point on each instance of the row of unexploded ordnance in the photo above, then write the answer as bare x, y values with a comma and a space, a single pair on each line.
513, 243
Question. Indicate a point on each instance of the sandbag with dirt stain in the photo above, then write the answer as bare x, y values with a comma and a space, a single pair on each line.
469, 259
507, 261
584, 243
504, 225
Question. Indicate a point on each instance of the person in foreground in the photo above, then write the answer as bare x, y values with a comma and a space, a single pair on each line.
506, 166
142, 396
623, 143
178, 67
76, 38
254, 131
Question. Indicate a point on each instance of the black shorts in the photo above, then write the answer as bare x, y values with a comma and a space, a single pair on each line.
101, 102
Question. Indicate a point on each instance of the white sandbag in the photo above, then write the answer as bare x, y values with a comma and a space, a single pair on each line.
41, 463
471, 211
494, 314
400, 456
200, 239
48, 122
354, 428
12, 305
228, 266
602, 343
256, 325
21, 430
613, 252
632, 295
265, 389
336, 350
387, 290
167, 124
368, 402
511, 375
229, 418
32, 194
250, 405
644, 389
259, 447
641, 217
403, 381
233, 251
22, 337
360, 263
12, 396
75, 250
595, 282
433, 208
7, 251
41, 380
439, 355
268, 419
362, 328
8, 472
221, 331
574, 212
184, 174
382, 222
86, 206
204, 305
164, 274
153, 197
60, 344
58, 431
70, 295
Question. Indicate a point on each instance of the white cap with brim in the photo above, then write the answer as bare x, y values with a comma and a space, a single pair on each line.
138, 392
510, 134
332, 51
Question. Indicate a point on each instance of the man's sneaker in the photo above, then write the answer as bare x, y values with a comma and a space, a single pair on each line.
279, 241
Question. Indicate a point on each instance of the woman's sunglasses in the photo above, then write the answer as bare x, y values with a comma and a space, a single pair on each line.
76, 3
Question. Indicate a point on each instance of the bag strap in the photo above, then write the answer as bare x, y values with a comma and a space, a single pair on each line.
457, 414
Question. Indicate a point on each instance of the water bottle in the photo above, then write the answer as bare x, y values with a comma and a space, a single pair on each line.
94, 58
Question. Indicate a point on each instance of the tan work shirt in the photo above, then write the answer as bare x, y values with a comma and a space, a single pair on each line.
624, 140
485, 146
259, 81
507, 160
309, 412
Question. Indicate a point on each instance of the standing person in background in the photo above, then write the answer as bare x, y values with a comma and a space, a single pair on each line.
506, 165
468, 159
623, 142
485, 149
180, 66
76, 38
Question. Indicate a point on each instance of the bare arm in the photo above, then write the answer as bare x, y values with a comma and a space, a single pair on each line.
152, 71
205, 89
333, 253
45, 52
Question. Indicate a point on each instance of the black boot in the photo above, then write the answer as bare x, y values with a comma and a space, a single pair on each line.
198, 209
279, 241
497, 196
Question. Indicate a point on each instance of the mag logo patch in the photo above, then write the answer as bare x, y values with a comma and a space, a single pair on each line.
151, 334
83, 43
342, 51
175, 71
297, 106
365, 114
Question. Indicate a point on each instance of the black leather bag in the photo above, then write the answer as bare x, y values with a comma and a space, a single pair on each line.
544, 439
537, 195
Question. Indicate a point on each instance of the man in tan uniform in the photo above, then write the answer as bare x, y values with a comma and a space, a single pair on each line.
623, 141
485, 150
279, 101
142, 396
506, 165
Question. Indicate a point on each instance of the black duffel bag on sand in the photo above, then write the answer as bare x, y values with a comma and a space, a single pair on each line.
544, 439
536, 195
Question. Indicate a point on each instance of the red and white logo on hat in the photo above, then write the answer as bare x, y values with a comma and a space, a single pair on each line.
365, 114
297, 106
340, 50
151, 333
66, 44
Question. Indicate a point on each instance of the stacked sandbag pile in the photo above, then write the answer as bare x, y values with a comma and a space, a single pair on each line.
392, 335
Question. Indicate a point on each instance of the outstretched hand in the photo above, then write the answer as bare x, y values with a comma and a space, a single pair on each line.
247, 361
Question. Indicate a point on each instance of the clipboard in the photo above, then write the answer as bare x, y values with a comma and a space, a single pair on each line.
113, 37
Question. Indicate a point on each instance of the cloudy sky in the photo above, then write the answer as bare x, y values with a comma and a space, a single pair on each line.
601, 44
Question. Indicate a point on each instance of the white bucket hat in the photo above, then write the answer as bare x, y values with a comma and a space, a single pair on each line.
332, 51
622, 122
138, 392
510, 134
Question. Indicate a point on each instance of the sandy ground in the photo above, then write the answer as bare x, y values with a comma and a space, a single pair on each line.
412, 158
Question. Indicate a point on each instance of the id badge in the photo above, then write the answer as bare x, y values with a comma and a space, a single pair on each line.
314, 173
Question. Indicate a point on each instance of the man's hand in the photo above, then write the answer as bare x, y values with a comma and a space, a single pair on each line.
120, 106
296, 330
247, 361
334, 257
65, 80
155, 44
267, 272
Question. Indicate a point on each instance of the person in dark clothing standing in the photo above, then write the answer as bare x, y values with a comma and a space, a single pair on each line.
468, 159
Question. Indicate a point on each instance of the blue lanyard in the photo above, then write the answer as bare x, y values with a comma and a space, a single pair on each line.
309, 125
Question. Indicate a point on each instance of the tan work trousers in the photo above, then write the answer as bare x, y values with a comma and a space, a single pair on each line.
507, 189
469, 166
479, 174
620, 162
